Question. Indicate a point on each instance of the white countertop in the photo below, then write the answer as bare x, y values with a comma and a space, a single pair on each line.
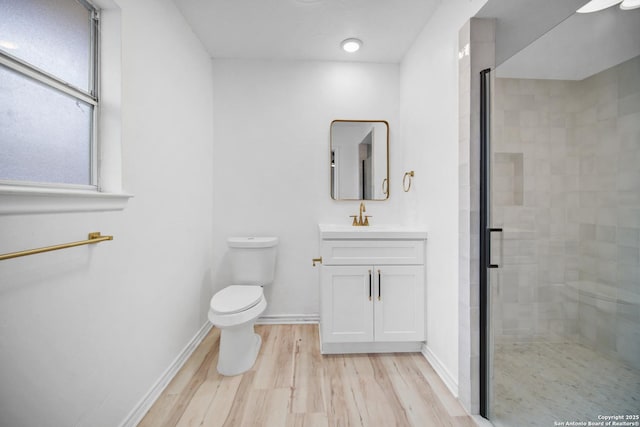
341, 231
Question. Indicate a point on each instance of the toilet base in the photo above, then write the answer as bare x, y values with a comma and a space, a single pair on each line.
239, 347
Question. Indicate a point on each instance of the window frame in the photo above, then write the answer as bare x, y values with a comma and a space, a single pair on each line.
25, 69
105, 192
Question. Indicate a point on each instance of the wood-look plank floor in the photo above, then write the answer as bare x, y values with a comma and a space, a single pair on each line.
293, 385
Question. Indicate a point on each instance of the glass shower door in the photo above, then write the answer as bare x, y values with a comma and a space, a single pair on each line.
560, 249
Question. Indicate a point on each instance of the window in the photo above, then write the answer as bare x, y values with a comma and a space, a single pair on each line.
53, 125
48, 93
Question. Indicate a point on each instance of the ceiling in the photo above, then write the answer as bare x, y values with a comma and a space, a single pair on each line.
546, 39
520, 22
582, 45
307, 29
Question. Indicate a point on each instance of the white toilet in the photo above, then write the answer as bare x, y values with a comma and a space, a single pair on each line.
236, 308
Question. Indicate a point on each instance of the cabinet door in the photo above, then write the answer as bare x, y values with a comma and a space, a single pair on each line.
399, 303
346, 309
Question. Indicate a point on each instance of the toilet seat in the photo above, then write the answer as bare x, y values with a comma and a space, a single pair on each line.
236, 298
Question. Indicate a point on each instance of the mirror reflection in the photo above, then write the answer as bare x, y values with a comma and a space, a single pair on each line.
359, 160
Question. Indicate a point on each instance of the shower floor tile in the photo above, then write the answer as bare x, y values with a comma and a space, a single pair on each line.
537, 384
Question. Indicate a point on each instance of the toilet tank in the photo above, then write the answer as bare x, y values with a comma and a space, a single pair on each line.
253, 260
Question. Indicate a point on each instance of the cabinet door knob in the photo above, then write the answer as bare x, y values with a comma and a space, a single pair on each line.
369, 285
316, 260
379, 286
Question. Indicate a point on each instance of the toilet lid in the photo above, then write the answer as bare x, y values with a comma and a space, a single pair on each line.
236, 298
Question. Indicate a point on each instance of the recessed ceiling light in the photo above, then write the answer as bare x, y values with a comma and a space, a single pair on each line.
597, 5
630, 4
351, 45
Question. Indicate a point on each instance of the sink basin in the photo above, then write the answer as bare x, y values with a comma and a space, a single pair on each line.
345, 232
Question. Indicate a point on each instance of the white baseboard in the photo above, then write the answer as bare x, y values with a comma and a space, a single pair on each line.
440, 369
288, 319
140, 410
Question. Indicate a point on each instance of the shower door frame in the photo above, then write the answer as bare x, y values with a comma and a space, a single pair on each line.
485, 231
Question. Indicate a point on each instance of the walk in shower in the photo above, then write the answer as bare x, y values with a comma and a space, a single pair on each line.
562, 220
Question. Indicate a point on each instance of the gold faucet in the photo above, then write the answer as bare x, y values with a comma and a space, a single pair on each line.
357, 219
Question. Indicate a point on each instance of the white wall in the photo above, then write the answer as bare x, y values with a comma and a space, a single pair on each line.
271, 165
85, 332
429, 131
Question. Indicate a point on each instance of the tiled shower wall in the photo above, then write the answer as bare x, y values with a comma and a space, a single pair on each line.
534, 184
566, 182
606, 137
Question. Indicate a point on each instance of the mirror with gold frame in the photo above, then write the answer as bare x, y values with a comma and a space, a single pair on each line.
359, 160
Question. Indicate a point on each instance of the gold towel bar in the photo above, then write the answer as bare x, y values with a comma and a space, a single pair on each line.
93, 238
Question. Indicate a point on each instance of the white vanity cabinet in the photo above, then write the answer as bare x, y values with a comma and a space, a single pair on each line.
372, 290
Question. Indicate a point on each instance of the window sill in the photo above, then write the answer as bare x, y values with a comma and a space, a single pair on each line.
22, 200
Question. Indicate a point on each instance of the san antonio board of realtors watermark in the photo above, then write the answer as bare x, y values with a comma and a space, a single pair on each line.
604, 421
